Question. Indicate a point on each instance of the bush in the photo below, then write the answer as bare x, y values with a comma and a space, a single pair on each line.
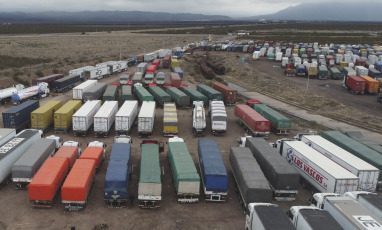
55, 71
39, 73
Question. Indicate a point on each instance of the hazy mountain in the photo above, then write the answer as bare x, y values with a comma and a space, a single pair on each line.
103, 16
330, 11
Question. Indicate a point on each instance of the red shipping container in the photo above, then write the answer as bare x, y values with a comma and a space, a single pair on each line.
230, 95
79, 181
48, 179
257, 123
151, 69
156, 62
94, 153
176, 81
69, 152
355, 84
360, 62
166, 62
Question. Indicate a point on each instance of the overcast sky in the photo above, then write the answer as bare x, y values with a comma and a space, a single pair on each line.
221, 7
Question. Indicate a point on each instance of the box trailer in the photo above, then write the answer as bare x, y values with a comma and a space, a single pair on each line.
181, 99
110, 94
282, 178
126, 93
95, 92
213, 172
146, 118
24, 169
368, 175
63, 116
143, 95
312, 218
79, 90
170, 119
335, 73
43, 117
361, 71
185, 175
279, 123
80, 71
372, 85
19, 117
104, 118
125, 117
210, 93
166, 61
150, 57
249, 179
160, 96
13, 149
65, 83
252, 122
230, 94
70, 150
142, 67
83, 119
47, 79
317, 170
97, 72
194, 95
6, 135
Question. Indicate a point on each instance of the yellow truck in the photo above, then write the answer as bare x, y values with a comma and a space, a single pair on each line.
63, 116
42, 118
170, 120
174, 63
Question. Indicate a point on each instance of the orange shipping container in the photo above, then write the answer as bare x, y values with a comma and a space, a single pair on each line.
372, 85
69, 152
79, 181
48, 179
94, 153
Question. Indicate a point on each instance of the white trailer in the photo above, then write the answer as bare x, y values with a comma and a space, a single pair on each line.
97, 72
262, 51
279, 56
198, 119
284, 61
38, 91
367, 174
150, 57
83, 119
361, 71
125, 117
80, 71
146, 118
104, 118
12, 150
218, 117
79, 90
6, 135
288, 52
312, 218
163, 52
339, 58
256, 55
122, 65
319, 171
6, 94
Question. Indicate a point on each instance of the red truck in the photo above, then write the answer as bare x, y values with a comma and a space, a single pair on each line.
152, 68
252, 121
354, 84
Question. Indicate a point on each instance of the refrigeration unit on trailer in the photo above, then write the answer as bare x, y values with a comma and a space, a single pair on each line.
104, 118
125, 117
83, 119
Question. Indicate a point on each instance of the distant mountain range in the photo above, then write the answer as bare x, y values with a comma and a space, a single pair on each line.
103, 16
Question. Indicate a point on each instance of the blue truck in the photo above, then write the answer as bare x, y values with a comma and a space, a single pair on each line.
117, 176
19, 117
213, 172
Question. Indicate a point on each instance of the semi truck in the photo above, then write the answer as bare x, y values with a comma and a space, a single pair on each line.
279, 123
6, 94
125, 117
104, 118
146, 118
170, 120
198, 119
252, 122
83, 119
218, 116
96, 151
34, 92
185, 175
150, 182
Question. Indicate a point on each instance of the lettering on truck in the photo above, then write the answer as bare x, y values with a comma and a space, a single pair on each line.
11, 144
368, 222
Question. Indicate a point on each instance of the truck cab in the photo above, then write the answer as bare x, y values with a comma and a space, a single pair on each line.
57, 139
123, 139
318, 199
294, 211
73, 144
99, 145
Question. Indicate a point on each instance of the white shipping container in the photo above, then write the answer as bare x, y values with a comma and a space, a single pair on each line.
80, 71
150, 57
339, 58
284, 61
321, 172
125, 117
288, 52
361, 71
146, 118
262, 51
218, 117
256, 55
84, 117
97, 72
79, 90
279, 56
270, 51
122, 65
367, 174
105, 117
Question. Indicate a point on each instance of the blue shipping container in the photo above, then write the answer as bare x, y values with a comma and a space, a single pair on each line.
212, 168
116, 182
120, 152
19, 117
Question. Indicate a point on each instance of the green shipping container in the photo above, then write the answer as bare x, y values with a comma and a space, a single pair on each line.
43, 117
180, 98
278, 121
335, 73
143, 95
186, 178
160, 95
356, 148
63, 116
210, 93
194, 95
150, 168
110, 94
126, 93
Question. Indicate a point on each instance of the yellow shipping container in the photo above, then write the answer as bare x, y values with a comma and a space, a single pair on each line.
63, 116
342, 65
372, 85
174, 63
170, 120
42, 118
295, 51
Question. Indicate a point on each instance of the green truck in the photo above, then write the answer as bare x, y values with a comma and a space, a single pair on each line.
279, 123
126, 93
142, 94
110, 94
323, 72
181, 99
335, 73
194, 95
160, 95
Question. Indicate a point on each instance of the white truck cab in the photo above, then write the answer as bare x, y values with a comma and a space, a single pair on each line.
99, 145
293, 213
318, 199
175, 139
73, 144
57, 139
123, 139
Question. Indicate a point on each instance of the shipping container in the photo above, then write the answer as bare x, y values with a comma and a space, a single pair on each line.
185, 175
373, 73
178, 70
213, 172
63, 116
6, 135
125, 117
160, 95
361, 71
48, 79
356, 148
335, 73
126, 93
94, 153
79, 90
110, 94
279, 123
83, 119
210, 93
230, 95
47, 181
194, 95
13, 149
170, 119
24, 169
253, 122
174, 63
19, 117
95, 92
166, 61
372, 85
76, 187
65, 83
43, 117
150, 183
354, 84
143, 95
151, 69
104, 118
249, 179
181, 99
175, 79
282, 178
68, 152
146, 118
